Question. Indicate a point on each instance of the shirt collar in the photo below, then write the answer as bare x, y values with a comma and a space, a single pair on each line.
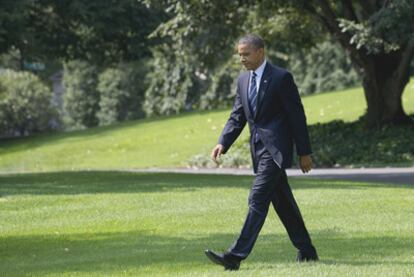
260, 69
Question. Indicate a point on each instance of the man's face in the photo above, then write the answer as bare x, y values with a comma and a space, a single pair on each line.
250, 57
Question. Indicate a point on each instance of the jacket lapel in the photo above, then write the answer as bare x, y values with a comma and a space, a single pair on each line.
264, 84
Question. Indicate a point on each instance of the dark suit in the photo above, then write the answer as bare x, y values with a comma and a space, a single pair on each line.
279, 122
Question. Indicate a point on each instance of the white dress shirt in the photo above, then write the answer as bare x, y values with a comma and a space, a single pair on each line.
259, 73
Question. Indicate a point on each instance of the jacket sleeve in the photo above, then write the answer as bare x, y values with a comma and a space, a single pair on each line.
234, 125
297, 119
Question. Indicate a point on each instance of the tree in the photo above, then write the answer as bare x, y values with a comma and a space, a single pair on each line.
193, 65
100, 32
377, 35
13, 15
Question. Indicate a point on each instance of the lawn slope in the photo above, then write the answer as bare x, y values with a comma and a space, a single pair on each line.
161, 142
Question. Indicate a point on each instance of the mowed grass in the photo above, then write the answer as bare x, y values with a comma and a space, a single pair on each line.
160, 142
136, 224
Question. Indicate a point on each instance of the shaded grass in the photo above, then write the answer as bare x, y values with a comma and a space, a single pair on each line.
350, 144
159, 142
136, 224
337, 144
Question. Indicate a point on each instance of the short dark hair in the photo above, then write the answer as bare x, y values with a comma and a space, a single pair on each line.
252, 39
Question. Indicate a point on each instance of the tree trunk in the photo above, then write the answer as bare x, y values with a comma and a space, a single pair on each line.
384, 79
384, 105
384, 75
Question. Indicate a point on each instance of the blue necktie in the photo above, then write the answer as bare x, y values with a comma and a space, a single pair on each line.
253, 102
253, 94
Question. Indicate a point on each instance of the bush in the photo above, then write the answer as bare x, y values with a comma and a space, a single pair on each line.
121, 94
25, 104
348, 144
173, 84
81, 98
222, 88
340, 144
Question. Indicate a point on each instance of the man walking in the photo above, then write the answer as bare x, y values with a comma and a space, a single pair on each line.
268, 100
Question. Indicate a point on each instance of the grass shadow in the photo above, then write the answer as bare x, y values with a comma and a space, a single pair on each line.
90, 182
386, 178
135, 250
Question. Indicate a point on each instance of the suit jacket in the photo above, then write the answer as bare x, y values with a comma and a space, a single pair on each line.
280, 119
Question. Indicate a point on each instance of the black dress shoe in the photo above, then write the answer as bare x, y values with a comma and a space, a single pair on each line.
307, 256
228, 261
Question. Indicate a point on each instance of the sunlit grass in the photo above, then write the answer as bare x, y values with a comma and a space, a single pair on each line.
117, 224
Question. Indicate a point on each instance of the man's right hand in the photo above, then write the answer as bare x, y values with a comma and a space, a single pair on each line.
216, 153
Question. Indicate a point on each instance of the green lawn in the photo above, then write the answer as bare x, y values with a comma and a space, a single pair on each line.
135, 224
162, 142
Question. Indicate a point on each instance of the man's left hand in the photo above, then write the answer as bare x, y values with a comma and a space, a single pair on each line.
305, 163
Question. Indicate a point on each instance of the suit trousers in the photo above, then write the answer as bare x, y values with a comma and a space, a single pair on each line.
270, 185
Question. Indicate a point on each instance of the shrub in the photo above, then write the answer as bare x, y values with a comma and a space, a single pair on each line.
348, 144
121, 94
25, 104
340, 144
81, 98
222, 88
173, 85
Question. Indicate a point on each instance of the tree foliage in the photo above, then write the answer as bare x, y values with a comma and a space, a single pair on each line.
190, 42
386, 30
324, 67
377, 35
96, 31
195, 66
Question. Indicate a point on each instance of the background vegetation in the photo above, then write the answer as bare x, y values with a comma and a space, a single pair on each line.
187, 139
129, 59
